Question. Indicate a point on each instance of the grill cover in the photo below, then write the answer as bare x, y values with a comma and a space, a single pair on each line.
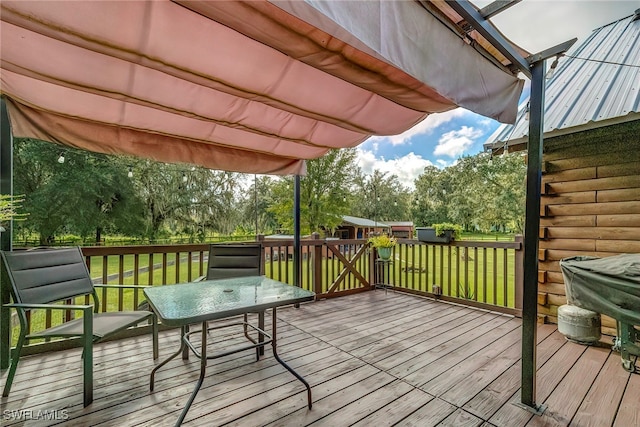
609, 285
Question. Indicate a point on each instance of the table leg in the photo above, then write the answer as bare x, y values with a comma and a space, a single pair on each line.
203, 368
183, 347
185, 350
275, 354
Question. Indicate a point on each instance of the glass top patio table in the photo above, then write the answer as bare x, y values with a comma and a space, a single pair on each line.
198, 302
184, 304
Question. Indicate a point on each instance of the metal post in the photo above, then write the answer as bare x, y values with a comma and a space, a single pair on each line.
375, 209
532, 224
6, 187
297, 270
255, 192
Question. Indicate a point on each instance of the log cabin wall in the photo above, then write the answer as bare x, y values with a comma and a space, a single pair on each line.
590, 205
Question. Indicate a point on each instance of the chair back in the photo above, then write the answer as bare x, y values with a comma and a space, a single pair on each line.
226, 261
47, 275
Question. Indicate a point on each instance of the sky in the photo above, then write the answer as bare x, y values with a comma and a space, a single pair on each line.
442, 138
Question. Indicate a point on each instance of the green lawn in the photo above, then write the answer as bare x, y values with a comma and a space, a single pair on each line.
461, 275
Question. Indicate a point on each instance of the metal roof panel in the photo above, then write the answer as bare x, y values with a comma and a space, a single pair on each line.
590, 87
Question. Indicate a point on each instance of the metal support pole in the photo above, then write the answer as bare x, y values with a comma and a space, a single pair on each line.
375, 209
6, 187
297, 266
532, 225
255, 193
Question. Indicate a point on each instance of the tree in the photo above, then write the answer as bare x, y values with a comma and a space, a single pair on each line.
505, 194
256, 214
381, 198
323, 192
186, 199
215, 200
74, 191
431, 202
462, 199
71, 191
478, 192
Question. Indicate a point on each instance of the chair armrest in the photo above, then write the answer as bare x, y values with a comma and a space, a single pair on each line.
121, 286
49, 306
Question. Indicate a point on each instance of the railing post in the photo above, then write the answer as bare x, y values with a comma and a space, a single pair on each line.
519, 271
317, 265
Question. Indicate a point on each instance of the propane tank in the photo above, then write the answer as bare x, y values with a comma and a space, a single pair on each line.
578, 324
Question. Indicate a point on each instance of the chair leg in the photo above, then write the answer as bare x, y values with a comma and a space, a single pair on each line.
261, 336
245, 328
87, 360
14, 364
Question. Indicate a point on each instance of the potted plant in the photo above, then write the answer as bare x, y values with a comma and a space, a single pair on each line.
384, 245
439, 233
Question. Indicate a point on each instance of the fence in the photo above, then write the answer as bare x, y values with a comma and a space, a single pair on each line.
483, 274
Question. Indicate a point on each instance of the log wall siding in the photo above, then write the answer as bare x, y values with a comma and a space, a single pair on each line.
590, 205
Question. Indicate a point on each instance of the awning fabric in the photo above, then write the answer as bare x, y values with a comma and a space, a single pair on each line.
253, 87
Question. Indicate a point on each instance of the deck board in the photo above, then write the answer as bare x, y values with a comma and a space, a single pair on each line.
405, 342
431, 414
462, 361
367, 404
426, 348
601, 403
628, 413
372, 359
472, 379
498, 392
461, 418
567, 397
549, 375
392, 413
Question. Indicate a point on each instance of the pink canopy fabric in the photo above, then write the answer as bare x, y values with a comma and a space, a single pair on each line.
254, 87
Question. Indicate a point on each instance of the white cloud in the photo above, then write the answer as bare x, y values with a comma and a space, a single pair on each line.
406, 168
485, 122
367, 160
425, 127
456, 142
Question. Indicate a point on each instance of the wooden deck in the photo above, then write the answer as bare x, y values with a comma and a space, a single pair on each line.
373, 359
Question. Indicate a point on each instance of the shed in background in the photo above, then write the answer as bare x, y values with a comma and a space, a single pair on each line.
402, 229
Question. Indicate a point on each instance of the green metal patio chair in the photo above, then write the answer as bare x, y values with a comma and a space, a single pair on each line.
39, 278
238, 260
234, 260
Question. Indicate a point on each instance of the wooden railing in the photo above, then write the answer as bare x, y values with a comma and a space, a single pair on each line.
483, 274
328, 267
